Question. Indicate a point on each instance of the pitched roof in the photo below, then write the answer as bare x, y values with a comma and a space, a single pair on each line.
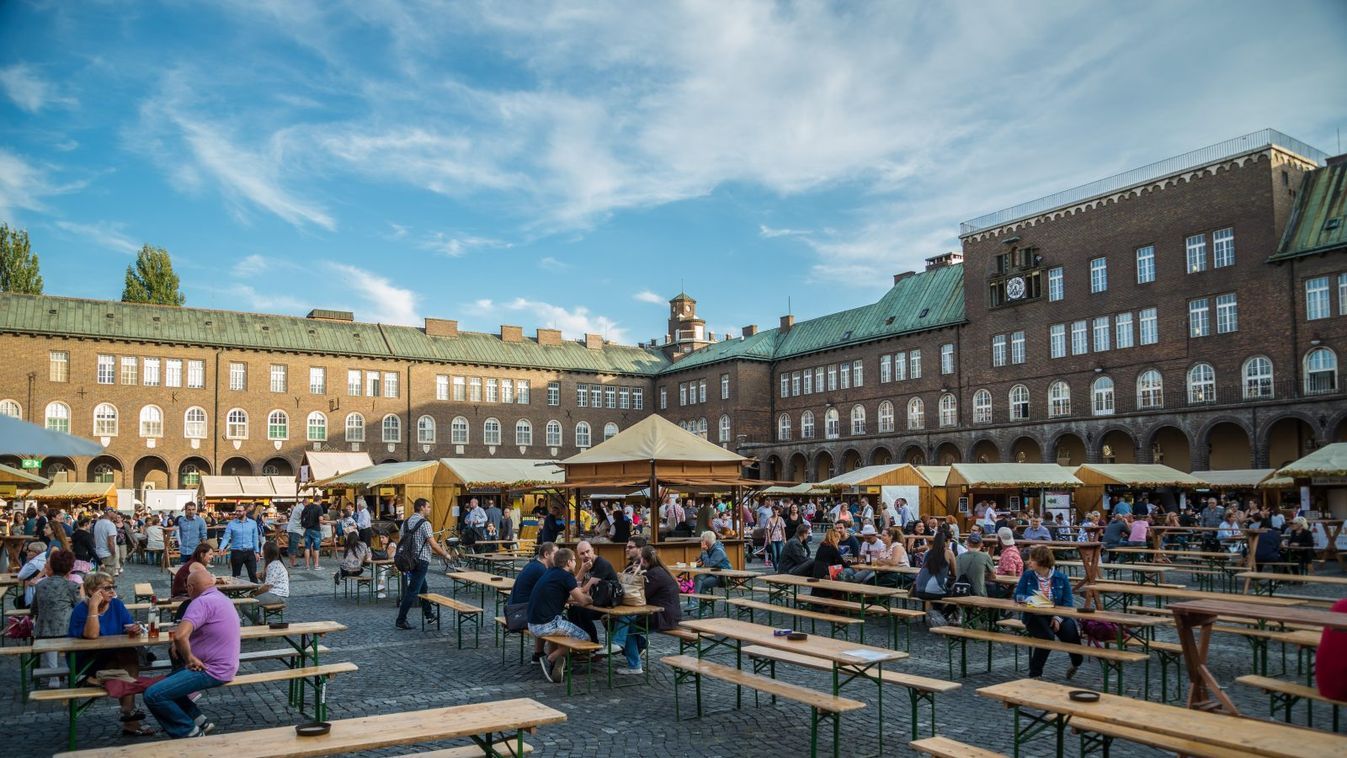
1328, 461
1245, 477
759, 347
504, 471
1011, 475
654, 438
1142, 474
1319, 219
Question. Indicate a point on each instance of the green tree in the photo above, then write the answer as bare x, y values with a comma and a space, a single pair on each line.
18, 263
151, 279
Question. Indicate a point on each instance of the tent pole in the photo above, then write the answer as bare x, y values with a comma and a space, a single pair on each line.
651, 495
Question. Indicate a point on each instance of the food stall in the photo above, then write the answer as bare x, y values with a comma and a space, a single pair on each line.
1258, 483
511, 482
404, 482
922, 486
317, 466
223, 494
1102, 482
72, 496
1012, 486
1321, 478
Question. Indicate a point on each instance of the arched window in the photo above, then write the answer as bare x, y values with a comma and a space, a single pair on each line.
491, 432
1019, 403
1059, 399
105, 420
609, 431
104, 473
1101, 396
355, 428
1257, 373
858, 419
1150, 390
582, 434
278, 425
57, 417
236, 424
11, 408
724, 435
392, 428
189, 475
425, 430
783, 427
194, 423
554, 433
151, 422
702, 427
317, 427
916, 414
1321, 371
806, 425
949, 411
458, 431
885, 417
1202, 384
523, 433
982, 407
832, 424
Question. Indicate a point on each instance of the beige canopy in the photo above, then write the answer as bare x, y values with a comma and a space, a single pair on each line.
1136, 475
1244, 477
77, 491
247, 488
1329, 461
327, 465
503, 473
654, 439
10, 475
1009, 476
863, 476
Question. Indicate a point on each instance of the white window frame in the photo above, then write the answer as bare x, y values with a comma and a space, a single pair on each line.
1059, 399
56, 417
149, 372
1080, 341
885, 368
554, 394
1317, 303
58, 367
724, 386
130, 373
523, 433
151, 422
1020, 403
1101, 334
1103, 400
552, 433
949, 411
391, 428
1057, 341
318, 380
1148, 322
1056, 284
105, 423
884, 417
1201, 382
195, 424
278, 425
916, 414
982, 407
1195, 247
583, 435
610, 430
426, 430
1223, 248
899, 366
238, 376
1227, 313
442, 387
172, 372
1256, 376
1150, 390
1098, 275
1199, 318
491, 433
1146, 264
236, 424
106, 372
354, 382
458, 389
723, 427
354, 427
460, 431
1017, 345
315, 432
783, 427
998, 350
857, 420
914, 364
1122, 331
1321, 371
858, 373
196, 374
832, 424
279, 378
807, 425
947, 358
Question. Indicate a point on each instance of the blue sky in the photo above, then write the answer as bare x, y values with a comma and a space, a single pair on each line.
573, 164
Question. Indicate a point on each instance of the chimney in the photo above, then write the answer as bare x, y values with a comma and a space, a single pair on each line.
549, 336
943, 260
323, 314
441, 327
899, 277
594, 341
750, 330
786, 323
511, 333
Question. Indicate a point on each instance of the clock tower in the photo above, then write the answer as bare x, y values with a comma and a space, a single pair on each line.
686, 332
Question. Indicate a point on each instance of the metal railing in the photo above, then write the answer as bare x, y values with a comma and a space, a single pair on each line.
1202, 156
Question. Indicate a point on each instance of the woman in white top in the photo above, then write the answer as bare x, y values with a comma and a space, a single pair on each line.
276, 583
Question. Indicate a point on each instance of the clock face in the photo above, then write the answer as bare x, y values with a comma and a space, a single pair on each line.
1015, 288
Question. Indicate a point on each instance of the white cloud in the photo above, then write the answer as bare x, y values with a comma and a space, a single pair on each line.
770, 233
379, 299
552, 264
28, 90
255, 265
454, 246
109, 235
246, 297
22, 186
646, 296
574, 323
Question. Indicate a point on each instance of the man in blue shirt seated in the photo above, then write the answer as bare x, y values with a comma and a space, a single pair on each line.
527, 580
244, 544
547, 604
847, 544
1036, 531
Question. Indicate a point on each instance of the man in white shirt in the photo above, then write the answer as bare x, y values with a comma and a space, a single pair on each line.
476, 519
764, 513
867, 512
905, 513
105, 544
362, 521
295, 528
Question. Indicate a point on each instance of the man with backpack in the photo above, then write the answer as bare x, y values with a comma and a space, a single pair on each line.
312, 520
413, 559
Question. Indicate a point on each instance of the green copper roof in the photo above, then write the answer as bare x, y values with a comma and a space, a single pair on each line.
759, 347
1319, 220
103, 319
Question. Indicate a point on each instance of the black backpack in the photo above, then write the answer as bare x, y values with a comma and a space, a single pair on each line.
405, 558
607, 593
312, 516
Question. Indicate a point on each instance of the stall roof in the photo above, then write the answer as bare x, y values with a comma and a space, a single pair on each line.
860, 476
803, 488
1244, 477
504, 473
1143, 474
74, 491
1011, 475
263, 487
327, 465
384, 473
11, 475
936, 475
654, 438
1329, 460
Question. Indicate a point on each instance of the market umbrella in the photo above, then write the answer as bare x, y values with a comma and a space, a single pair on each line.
18, 437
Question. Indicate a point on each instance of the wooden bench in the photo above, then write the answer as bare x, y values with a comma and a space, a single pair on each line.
164, 664
919, 688
503, 748
144, 591
464, 613
1110, 659
705, 603
572, 646
481, 722
1099, 735
821, 704
749, 607
1170, 654
318, 674
896, 616
362, 582
944, 747
1285, 694
686, 637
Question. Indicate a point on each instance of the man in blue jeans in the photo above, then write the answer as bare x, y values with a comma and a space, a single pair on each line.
417, 529
208, 639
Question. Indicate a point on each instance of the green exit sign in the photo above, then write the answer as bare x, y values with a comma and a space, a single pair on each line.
32, 463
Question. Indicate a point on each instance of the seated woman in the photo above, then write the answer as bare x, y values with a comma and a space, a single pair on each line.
53, 600
935, 578
353, 558
893, 554
1043, 584
661, 589
105, 615
200, 561
276, 580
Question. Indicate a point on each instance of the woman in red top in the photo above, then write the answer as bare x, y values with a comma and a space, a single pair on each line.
1330, 663
203, 555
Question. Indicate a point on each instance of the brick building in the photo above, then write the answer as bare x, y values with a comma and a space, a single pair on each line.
1190, 312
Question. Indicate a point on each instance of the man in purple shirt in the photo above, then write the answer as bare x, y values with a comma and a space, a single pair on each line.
207, 638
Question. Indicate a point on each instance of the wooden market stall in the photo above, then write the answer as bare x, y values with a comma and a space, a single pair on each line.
1012, 486
229, 491
511, 482
317, 466
1321, 478
1248, 482
803, 489
75, 495
657, 454
922, 486
15, 484
404, 482
1101, 481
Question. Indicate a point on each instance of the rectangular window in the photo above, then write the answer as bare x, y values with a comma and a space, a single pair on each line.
885, 369
1079, 342
1122, 330
596, 395
832, 378
1017, 347
238, 377
1197, 253
107, 369
150, 373
521, 391
173, 372
442, 387
475, 390
1316, 298
1227, 313
858, 374
318, 381
554, 393
701, 391
1146, 264
390, 384
1098, 275
460, 388
1056, 290
1149, 326
794, 383
1222, 248
844, 376
373, 384
507, 390
277, 378
196, 374
724, 386
58, 366
808, 383
947, 358
638, 398
999, 350
663, 398
582, 395
624, 398
1342, 294
131, 370
1101, 334
818, 379
353, 382
610, 397
492, 390
900, 367
1057, 340
914, 361
1199, 321
785, 386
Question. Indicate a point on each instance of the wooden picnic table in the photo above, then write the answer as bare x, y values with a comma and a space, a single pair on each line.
1126, 591
850, 661
1332, 527
636, 613
729, 578
1225, 734
1204, 692
869, 594
1007, 579
235, 587
1262, 579
485, 580
478, 721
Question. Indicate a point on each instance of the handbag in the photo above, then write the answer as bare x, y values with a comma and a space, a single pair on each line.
835, 571
19, 627
516, 617
633, 589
